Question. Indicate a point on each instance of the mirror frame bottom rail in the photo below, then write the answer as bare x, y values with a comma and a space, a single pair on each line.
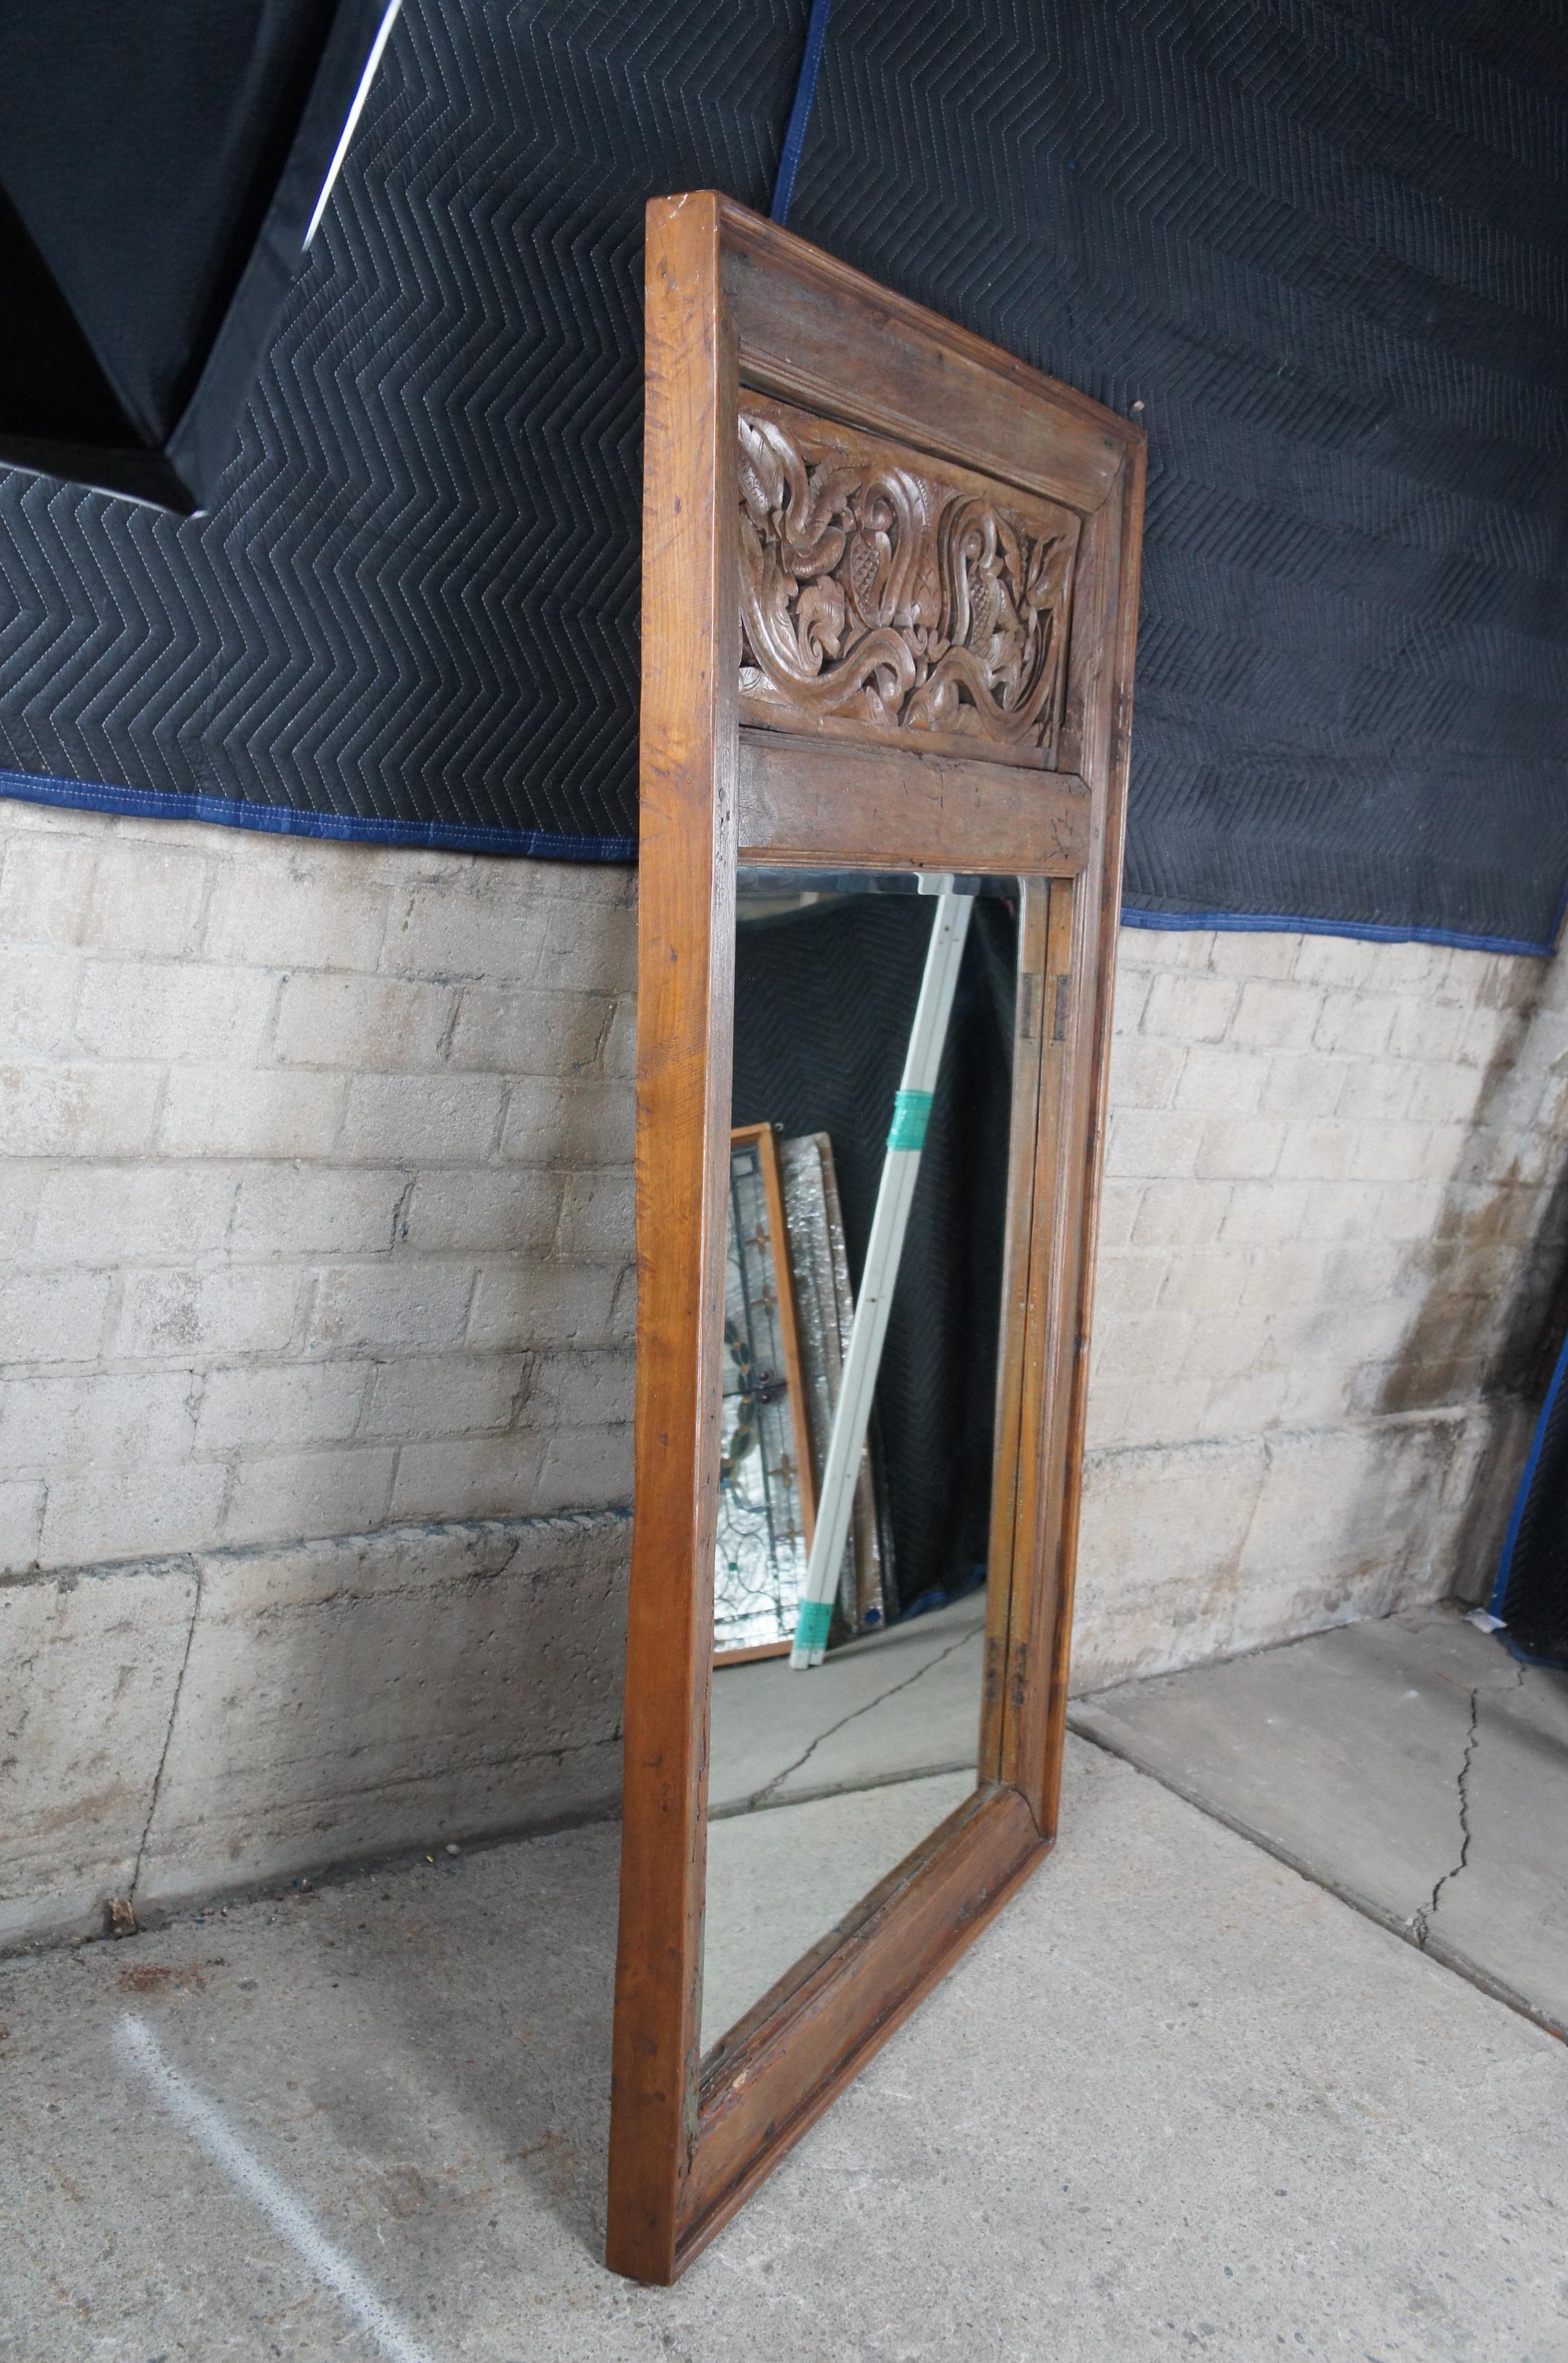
733, 303
768, 2080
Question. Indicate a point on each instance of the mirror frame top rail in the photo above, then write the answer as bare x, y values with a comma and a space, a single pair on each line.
875, 774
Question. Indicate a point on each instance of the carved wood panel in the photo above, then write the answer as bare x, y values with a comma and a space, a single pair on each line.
887, 596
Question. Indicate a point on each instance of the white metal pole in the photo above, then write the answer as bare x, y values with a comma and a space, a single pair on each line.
944, 954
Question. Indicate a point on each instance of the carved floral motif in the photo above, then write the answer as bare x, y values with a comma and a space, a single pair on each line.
875, 595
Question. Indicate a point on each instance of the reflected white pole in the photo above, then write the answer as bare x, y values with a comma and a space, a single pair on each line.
901, 1165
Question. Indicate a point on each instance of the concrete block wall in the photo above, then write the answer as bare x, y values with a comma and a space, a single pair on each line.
315, 1307
1333, 1239
315, 1317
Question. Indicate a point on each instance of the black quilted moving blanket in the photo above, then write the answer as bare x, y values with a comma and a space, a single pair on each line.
1325, 247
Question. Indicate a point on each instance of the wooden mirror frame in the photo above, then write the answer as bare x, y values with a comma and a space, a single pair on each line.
733, 303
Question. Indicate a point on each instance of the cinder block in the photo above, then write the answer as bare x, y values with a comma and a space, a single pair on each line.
415, 1302
299, 1210
446, 1394
1302, 1084
301, 1739
23, 1183
592, 1388
1144, 1071
470, 1477
45, 888
154, 1507
573, 1121
1269, 953
1392, 1152
256, 1410
288, 1494
1225, 1345
1337, 960
133, 1009
1157, 948
1419, 970
1161, 1534
1319, 1151
1376, 1088
1131, 998
618, 1057
1191, 1008
362, 1021
475, 925
1345, 1511
21, 1521
521, 1303
108, 1420
1279, 1277
309, 909
1119, 1205
1142, 1407
1490, 1037
86, 1730
1265, 1213
586, 1468
1156, 1144
422, 1119
166, 1315
590, 947
1181, 1214
72, 1110
1203, 1282
598, 1217
1355, 1024
1275, 1016
241, 1111
52, 1317
1154, 1345
493, 1206
1240, 1148
147, 898
1318, 1394
1220, 1081
1342, 1210
1444, 1096
132, 1211
37, 993
1125, 1287
526, 1030
1245, 1406
1423, 1029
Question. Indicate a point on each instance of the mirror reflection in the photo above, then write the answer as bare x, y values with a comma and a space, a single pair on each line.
872, 1028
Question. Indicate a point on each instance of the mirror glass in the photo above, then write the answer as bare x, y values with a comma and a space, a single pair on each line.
868, 1184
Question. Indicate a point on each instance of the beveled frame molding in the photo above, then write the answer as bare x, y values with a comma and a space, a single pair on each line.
733, 303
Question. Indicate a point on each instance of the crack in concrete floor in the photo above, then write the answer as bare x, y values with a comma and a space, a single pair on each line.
1422, 1917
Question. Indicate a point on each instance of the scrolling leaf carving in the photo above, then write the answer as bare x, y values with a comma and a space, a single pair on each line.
877, 597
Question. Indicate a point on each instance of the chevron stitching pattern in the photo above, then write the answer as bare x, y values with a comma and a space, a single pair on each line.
1326, 246
415, 601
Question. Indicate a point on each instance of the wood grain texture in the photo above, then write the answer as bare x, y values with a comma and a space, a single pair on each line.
686, 999
886, 601
687, 2148
805, 800
923, 378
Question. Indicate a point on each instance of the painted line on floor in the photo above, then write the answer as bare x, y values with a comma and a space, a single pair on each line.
204, 2120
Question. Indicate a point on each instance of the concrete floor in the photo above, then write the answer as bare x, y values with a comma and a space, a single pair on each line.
1411, 1766
1178, 2099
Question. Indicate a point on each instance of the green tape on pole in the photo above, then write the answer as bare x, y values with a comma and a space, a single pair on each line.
911, 1114
811, 1631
